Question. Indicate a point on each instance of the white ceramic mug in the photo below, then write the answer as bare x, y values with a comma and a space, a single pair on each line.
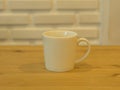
60, 50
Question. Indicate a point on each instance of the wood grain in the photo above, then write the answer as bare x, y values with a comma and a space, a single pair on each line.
22, 68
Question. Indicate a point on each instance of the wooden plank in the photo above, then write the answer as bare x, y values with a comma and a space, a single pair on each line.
22, 68
60, 88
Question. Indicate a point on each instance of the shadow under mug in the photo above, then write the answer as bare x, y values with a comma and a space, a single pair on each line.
60, 50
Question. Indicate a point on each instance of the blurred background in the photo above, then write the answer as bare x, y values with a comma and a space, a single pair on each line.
23, 21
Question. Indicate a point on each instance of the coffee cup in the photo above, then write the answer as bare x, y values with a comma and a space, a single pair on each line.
60, 50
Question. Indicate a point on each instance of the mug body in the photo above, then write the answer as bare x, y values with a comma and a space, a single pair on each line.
59, 50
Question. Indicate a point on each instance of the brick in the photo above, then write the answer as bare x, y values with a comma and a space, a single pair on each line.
20, 42
14, 19
30, 4
28, 34
77, 4
1, 5
3, 34
89, 18
88, 32
54, 19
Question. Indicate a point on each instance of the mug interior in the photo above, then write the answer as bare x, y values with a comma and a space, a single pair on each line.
59, 34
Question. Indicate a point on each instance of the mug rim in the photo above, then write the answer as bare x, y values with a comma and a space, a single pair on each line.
44, 34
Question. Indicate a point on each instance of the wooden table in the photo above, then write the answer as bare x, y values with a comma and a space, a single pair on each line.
22, 68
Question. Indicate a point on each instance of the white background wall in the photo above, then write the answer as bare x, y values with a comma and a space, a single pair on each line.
111, 22
114, 23
23, 21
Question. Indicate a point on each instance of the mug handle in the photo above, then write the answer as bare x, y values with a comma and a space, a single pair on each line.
87, 52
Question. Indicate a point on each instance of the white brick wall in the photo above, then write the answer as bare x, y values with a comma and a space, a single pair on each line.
89, 18
23, 21
30, 4
77, 4
54, 19
14, 19
3, 34
28, 33
1, 5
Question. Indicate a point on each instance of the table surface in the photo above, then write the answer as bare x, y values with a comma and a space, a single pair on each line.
22, 68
